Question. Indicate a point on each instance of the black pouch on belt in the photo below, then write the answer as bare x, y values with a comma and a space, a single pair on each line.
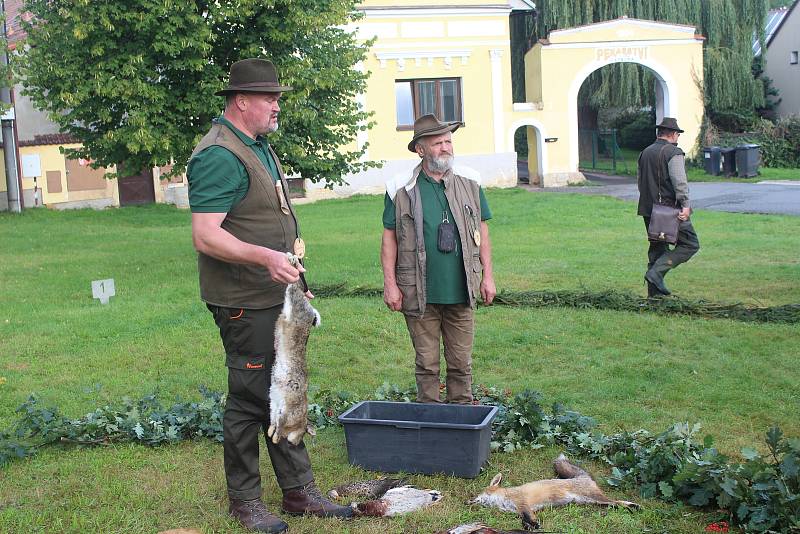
446, 239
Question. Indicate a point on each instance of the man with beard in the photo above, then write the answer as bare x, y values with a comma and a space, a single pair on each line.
242, 226
437, 260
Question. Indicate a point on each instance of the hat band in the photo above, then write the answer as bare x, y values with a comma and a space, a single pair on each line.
256, 84
436, 128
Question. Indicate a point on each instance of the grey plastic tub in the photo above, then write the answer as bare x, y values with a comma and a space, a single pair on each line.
418, 438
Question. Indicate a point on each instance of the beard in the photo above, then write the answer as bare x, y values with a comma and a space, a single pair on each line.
439, 165
272, 127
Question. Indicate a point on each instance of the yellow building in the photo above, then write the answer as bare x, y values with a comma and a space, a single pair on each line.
454, 59
451, 58
556, 67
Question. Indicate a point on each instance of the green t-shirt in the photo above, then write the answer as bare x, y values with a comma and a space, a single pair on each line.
218, 180
445, 279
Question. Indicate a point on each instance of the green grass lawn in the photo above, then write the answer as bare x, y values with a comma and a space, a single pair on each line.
629, 370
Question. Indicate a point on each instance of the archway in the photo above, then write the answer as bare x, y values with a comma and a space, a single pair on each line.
665, 90
536, 154
615, 125
556, 67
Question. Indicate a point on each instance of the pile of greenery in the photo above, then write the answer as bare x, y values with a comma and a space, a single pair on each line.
762, 493
611, 300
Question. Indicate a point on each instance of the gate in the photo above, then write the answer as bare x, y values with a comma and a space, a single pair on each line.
137, 189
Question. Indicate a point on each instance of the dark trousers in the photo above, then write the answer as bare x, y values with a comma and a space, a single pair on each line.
248, 338
660, 256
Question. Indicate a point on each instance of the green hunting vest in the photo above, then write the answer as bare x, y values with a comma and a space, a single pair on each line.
258, 220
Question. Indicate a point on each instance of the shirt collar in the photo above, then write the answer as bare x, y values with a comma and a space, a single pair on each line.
246, 139
418, 171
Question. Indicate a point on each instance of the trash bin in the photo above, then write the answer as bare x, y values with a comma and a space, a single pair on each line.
748, 158
712, 158
728, 161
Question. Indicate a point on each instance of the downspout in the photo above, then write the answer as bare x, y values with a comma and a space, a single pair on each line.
10, 155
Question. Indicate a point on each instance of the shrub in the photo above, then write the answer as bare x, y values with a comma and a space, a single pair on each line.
779, 142
636, 129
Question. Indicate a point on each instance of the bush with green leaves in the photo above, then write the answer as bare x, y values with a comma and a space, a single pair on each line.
779, 142
636, 129
761, 494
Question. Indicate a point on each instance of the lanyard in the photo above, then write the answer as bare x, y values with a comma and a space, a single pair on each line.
435, 186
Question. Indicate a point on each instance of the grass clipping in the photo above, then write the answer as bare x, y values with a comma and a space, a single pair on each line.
611, 300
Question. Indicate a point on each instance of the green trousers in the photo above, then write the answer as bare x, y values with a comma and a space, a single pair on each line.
660, 256
248, 338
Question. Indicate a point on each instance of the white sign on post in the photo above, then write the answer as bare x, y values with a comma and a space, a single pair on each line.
102, 289
31, 166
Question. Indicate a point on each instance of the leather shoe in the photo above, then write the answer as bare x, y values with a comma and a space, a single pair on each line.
655, 278
652, 291
254, 516
309, 500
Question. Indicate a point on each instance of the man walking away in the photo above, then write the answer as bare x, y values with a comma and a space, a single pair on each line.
662, 177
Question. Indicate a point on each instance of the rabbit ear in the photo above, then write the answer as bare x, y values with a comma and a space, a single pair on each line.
496, 480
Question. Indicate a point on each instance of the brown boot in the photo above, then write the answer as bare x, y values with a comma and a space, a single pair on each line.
309, 500
254, 516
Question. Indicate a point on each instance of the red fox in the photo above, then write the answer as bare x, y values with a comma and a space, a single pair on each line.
574, 485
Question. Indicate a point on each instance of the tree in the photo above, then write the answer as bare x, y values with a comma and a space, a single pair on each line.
134, 81
728, 25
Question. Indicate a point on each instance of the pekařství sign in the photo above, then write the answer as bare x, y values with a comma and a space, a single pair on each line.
622, 53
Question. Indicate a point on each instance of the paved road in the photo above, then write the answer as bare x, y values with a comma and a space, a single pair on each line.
778, 197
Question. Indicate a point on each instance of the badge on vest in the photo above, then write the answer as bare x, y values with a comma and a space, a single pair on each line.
299, 248
476, 237
282, 197
473, 224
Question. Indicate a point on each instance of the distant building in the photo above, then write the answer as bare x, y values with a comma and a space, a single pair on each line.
68, 183
782, 63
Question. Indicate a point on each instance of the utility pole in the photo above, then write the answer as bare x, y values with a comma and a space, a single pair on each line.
9, 141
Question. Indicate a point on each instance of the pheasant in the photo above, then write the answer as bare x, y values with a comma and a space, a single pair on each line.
366, 489
479, 528
397, 501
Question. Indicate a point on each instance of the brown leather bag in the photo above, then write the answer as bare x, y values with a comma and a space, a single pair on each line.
664, 222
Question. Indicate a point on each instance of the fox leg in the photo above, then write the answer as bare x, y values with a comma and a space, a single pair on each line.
602, 500
627, 504
529, 520
566, 469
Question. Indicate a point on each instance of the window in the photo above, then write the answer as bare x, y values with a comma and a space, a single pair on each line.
415, 98
793, 57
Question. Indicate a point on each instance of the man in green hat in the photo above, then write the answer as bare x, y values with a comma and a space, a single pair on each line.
662, 179
437, 259
242, 226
